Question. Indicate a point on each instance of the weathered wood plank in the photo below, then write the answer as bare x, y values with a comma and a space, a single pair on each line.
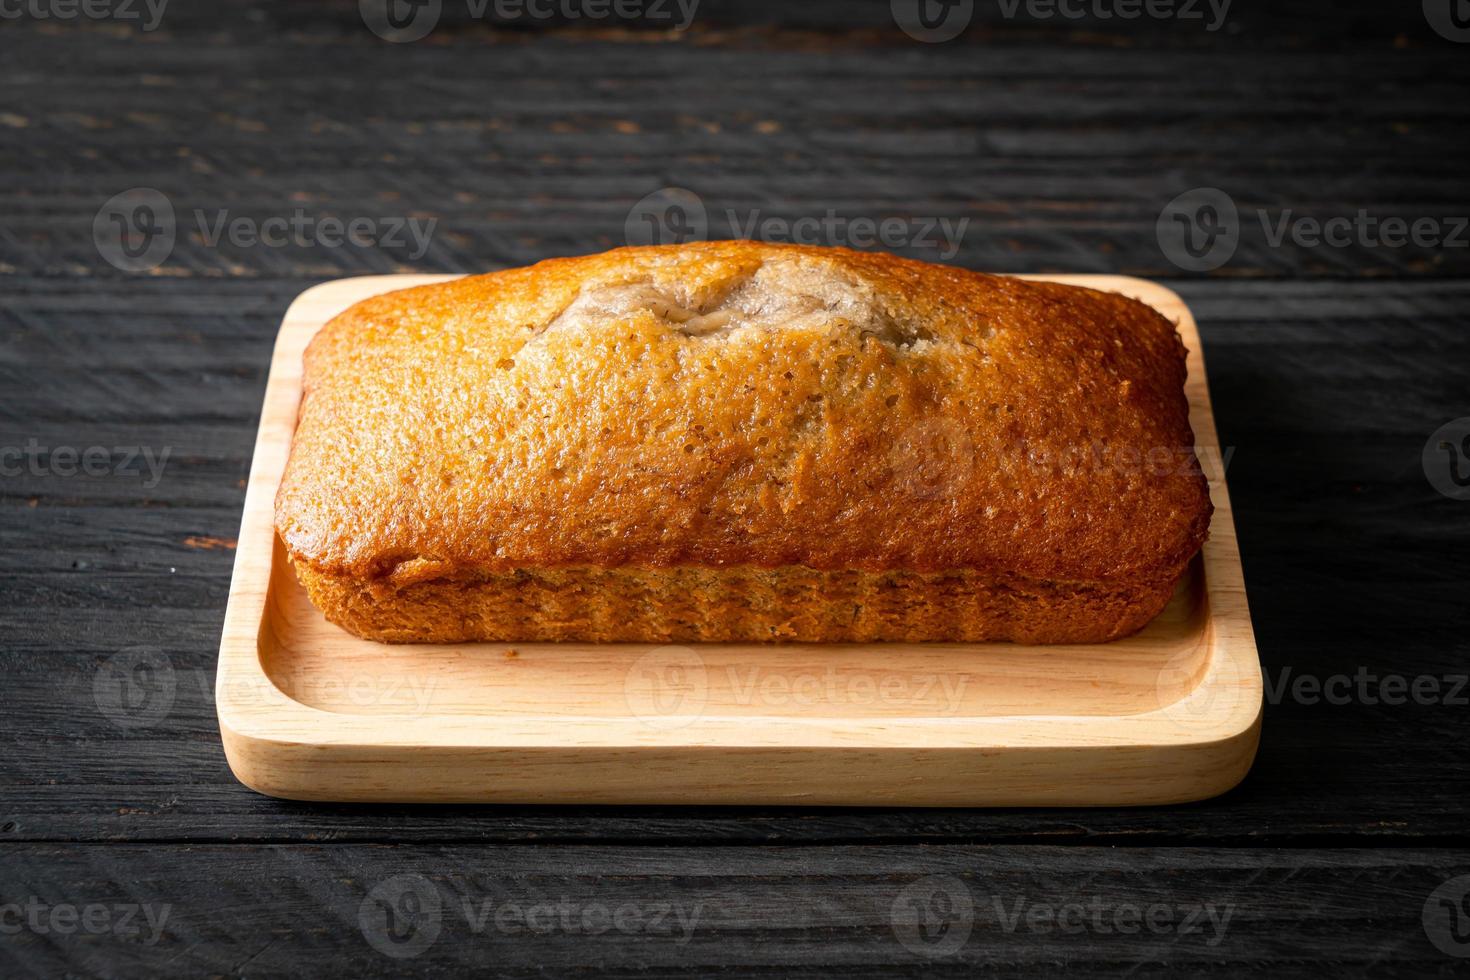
1059, 141
646, 911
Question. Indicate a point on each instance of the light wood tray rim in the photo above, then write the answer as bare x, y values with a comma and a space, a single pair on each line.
267, 733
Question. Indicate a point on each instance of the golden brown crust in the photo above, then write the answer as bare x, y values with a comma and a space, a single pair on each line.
735, 404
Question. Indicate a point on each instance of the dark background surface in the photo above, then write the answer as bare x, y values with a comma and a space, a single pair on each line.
1062, 140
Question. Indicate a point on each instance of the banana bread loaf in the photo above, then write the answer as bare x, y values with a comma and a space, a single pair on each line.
732, 441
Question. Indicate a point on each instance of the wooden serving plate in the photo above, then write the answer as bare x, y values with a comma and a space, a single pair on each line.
309, 712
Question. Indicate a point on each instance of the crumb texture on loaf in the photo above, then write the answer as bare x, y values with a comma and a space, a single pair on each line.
740, 404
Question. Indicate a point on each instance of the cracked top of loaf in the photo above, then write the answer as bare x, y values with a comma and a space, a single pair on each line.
736, 403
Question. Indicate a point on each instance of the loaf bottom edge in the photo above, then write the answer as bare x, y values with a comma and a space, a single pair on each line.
733, 605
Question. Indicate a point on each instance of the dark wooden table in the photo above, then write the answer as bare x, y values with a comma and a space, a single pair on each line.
126, 847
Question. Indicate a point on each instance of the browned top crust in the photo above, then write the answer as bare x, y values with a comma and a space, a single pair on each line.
736, 403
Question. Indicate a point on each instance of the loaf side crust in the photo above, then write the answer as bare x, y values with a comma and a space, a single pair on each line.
733, 605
